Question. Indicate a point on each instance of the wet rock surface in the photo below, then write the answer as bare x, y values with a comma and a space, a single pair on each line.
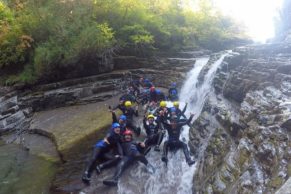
242, 136
59, 122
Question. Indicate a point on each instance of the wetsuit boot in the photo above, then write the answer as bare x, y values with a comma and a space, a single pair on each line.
119, 170
160, 139
86, 178
90, 167
147, 150
187, 155
165, 153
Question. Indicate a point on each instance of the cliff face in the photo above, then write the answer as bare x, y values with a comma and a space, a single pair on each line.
242, 136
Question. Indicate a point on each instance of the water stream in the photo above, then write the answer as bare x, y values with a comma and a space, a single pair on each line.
177, 177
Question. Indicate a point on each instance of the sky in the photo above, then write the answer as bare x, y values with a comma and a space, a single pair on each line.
258, 15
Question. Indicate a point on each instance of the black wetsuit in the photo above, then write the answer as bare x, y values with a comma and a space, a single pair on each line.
154, 135
174, 141
128, 97
161, 118
102, 149
129, 113
131, 153
115, 120
173, 94
161, 96
153, 96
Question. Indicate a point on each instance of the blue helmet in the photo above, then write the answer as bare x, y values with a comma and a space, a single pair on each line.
115, 125
173, 109
173, 92
174, 84
158, 91
146, 80
122, 117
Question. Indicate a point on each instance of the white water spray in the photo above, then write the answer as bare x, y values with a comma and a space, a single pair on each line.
177, 177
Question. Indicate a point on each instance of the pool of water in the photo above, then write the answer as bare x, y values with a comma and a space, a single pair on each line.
22, 172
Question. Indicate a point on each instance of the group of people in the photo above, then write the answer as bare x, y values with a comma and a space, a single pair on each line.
120, 149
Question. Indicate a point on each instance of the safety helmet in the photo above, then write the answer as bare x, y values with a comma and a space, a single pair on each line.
122, 117
158, 91
163, 104
152, 89
146, 80
115, 125
127, 132
127, 104
176, 104
174, 84
151, 116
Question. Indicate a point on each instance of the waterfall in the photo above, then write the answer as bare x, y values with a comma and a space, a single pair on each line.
177, 177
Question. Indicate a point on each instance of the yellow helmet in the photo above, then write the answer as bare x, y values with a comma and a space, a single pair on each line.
151, 116
176, 104
163, 104
127, 103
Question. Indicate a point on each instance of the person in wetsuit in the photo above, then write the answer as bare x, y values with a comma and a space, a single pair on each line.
153, 97
162, 112
173, 92
131, 153
122, 121
180, 113
174, 130
147, 84
111, 141
160, 95
154, 135
129, 112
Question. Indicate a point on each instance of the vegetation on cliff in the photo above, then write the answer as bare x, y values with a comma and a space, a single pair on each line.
41, 40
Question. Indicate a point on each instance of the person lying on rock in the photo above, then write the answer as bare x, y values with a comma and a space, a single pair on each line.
151, 108
143, 97
161, 111
122, 121
111, 141
131, 153
173, 92
136, 84
160, 95
147, 84
154, 135
180, 113
174, 130
129, 112
153, 95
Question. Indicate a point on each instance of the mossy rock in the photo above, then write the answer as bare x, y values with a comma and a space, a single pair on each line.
79, 132
276, 182
73, 129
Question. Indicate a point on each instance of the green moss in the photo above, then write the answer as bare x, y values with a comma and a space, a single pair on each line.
276, 182
80, 131
49, 158
243, 157
22, 172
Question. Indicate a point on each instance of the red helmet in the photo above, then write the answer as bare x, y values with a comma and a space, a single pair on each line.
127, 132
152, 89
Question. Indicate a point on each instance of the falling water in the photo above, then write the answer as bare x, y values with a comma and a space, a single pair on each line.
177, 177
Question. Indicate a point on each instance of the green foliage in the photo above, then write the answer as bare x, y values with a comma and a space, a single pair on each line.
44, 39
